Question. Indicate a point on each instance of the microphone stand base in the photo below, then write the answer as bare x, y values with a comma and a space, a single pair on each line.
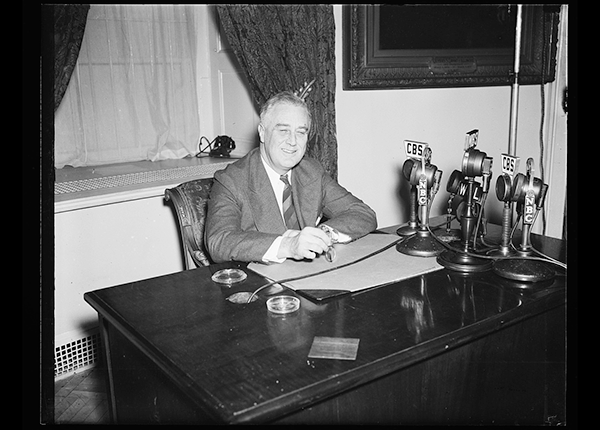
502, 251
448, 236
406, 230
463, 263
422, 244
524, 270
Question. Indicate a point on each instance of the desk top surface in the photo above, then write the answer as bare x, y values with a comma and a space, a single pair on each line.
242, 363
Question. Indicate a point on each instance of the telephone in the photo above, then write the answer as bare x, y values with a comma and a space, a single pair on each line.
222, 146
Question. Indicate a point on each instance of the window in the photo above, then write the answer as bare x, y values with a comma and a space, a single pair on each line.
132, 95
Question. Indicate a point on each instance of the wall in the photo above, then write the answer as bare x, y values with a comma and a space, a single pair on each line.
371, 126
107, 245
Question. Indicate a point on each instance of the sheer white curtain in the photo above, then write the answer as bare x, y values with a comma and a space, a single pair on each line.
133, 94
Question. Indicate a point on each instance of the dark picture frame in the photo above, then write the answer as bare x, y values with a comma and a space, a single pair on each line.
433, 46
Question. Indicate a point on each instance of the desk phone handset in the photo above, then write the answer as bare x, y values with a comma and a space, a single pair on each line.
222, 146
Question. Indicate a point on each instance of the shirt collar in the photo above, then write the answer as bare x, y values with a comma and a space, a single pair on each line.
273, 175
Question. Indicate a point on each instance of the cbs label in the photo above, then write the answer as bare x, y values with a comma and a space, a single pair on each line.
415, 149
510, 164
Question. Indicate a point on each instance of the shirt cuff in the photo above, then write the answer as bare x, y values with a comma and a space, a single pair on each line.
343, 237
271, 254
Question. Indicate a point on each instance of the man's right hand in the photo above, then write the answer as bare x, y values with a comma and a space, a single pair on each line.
306, 243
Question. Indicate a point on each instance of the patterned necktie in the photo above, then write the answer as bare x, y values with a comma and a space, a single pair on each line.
289, 213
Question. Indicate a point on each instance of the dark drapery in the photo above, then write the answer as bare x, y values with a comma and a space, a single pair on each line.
282, 48
69, 25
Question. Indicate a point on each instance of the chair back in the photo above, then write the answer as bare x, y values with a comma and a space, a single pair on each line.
189, 201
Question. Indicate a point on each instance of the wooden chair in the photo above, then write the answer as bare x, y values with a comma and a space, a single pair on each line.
189, 201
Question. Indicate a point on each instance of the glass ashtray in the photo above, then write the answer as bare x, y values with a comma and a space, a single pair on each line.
229, 276
283, 304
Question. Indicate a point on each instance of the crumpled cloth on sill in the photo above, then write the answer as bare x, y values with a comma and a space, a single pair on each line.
171, 150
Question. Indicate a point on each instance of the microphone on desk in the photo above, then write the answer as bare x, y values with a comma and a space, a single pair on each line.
456, 186
413, 225
505, 187
529, 193
425, 178
475, 163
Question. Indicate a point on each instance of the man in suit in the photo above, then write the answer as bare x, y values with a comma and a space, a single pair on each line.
246, 219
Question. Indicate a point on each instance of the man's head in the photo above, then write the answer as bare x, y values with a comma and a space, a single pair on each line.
284, 127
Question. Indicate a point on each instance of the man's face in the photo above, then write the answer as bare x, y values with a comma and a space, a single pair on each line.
283, 136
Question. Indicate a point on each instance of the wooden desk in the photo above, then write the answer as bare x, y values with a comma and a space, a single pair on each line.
442, 348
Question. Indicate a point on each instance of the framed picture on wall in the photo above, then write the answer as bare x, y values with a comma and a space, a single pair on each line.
421, 46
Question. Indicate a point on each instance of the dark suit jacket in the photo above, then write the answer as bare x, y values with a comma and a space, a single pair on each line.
243, 217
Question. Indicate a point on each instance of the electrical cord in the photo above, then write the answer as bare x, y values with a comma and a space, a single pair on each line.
208, 146
331, 269
558, 263
485, 244
545, 45
552, 260
479, 217
545, 258
269, 284
451, 248
542, 258
514, 228
395, 242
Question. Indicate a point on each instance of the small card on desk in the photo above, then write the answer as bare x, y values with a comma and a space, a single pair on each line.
339, 348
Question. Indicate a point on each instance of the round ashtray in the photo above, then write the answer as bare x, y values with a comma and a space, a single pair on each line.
283, 304
229, 276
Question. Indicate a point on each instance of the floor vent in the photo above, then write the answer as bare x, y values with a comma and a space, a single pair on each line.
76, 354
137, 178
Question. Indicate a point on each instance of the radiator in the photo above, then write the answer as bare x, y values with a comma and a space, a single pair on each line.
147, 177
77, 354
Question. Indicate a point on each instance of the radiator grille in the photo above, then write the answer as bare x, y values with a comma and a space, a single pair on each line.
137, 178
78, 353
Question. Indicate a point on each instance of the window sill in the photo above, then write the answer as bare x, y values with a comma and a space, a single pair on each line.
84, 187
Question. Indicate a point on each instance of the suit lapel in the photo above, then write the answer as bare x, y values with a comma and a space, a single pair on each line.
262, 199
265, 209
306, 190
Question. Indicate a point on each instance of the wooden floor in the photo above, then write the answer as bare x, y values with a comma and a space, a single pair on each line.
81, 398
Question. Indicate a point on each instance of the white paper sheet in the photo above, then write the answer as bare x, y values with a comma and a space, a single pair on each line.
381, 269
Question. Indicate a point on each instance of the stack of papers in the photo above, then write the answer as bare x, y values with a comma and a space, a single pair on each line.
380, 269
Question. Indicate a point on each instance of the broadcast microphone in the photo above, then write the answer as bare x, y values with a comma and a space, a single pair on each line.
424, 177
453, 187
529, 193
529, 198
474, 163
505, 187
412, 226
486, 179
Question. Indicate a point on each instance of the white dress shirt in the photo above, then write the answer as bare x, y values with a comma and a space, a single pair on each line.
278, 186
